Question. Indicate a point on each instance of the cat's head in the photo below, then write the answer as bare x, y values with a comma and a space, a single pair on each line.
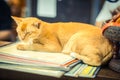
27, 28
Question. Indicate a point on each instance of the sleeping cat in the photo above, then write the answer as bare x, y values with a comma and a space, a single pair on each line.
80, 40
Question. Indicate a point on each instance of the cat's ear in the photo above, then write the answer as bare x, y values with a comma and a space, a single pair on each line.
37, 25
17, 19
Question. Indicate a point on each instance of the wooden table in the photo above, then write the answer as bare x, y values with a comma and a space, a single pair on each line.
104, 74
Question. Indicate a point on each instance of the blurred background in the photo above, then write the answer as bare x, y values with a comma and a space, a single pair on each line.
57, 10
84, 11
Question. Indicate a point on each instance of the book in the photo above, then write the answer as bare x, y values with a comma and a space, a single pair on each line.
4, 43
83, 70
58, 61
33, 70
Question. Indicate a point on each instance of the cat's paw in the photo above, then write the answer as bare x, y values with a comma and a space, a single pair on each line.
66, 52
73, 54
21, 47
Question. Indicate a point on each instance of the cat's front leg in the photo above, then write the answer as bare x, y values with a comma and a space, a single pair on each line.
28, 45
70, 46
67, 49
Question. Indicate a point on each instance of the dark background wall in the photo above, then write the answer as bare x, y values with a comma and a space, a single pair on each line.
71, 10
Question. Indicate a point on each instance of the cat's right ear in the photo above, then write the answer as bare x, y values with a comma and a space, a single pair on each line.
17, 19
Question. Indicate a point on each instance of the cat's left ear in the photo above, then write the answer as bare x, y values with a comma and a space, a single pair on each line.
37, 25
17, 19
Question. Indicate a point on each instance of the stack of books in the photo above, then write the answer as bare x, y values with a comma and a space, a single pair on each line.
83, 70
43, 63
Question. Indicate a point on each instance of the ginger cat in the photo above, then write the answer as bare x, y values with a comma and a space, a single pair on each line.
80, 40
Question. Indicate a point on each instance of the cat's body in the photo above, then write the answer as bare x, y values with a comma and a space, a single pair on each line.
84, 41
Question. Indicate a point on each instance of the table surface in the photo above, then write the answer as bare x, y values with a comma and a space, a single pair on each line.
104, 74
